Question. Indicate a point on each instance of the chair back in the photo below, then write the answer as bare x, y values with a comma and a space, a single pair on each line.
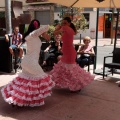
116, 55
44, 45
76, 47
93, 57
5, 56
94, 48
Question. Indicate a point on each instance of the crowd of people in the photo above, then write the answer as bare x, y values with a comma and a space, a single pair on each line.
33, 85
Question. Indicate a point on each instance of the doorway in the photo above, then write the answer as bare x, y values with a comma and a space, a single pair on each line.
107, 25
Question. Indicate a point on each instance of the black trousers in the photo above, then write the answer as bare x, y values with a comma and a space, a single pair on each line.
82, 61
47, 55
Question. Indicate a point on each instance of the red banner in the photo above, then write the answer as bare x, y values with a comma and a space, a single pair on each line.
100, 23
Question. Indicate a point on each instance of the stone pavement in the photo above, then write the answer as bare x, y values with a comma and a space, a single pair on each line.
101, 42
100, 100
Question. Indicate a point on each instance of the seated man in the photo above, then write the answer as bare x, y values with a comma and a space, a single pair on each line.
54, 49
85, 51
16, 42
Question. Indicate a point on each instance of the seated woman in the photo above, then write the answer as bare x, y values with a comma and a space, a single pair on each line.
54, 49
85, 50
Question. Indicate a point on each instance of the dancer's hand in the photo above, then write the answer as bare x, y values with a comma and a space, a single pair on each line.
46, 36
58, 30
46, 50
58, 27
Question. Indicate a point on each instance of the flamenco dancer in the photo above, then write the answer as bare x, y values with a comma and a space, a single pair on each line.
66, 73
32, 85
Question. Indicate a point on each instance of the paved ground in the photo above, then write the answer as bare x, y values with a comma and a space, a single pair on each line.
100, 42
100, 100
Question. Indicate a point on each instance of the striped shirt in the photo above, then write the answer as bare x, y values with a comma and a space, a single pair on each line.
16, 39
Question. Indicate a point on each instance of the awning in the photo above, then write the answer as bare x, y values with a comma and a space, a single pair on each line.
88, 3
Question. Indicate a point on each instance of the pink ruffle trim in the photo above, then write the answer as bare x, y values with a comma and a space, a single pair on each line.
25, 92
70, 76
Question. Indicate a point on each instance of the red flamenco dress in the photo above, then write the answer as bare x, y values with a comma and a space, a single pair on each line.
66, 73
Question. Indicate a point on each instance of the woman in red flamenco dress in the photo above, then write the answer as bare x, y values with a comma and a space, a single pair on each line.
67, 73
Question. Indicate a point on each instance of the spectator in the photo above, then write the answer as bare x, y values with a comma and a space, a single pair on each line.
54, 49
85, 50
16, 41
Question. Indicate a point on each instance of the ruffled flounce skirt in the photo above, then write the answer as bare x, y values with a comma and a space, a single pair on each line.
70, 76
28, 91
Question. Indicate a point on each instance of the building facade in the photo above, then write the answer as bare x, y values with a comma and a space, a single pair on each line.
47, 12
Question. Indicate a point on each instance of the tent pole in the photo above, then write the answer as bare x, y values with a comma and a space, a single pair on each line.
112, 22
96, 40
74, 3
8, 16
116, 28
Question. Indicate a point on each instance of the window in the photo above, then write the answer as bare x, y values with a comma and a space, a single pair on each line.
87, 17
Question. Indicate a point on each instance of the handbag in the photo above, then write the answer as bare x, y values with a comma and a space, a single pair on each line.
85, 55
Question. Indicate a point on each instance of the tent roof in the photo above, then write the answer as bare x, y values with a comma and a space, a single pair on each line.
88, 3
79, 3
2, 2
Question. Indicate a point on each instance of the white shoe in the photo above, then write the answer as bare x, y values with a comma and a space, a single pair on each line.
9, 100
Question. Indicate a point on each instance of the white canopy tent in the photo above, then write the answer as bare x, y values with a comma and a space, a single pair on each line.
2, 2
88, 3
77, 3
